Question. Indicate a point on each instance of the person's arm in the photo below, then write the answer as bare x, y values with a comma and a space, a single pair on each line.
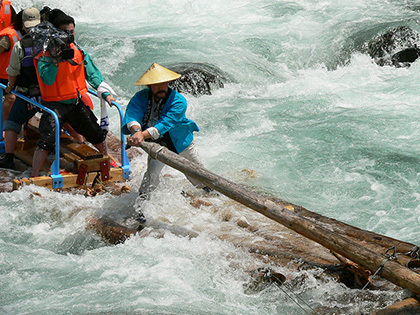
169, 119
47, 70
137, 135
135, 111
16, 58
11, 84
4, 44
106, 90
15, 64
137, 138
133, 115
94, 77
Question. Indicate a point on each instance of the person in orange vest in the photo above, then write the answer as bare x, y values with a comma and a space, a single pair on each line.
22, 79
8, 38
62, 21
62, 80
7, 14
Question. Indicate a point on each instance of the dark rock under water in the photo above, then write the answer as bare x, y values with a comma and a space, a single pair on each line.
397, 47
197, 78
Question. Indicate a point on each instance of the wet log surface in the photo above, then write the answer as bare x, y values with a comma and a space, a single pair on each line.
372, 260
281, 245
410, 306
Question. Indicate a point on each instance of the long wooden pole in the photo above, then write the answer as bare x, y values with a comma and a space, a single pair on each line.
390, 270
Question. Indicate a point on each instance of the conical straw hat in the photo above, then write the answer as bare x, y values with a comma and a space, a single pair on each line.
157, 74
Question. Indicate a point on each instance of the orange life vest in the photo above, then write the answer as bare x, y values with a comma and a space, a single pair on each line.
70, 81
5, 14
5, 55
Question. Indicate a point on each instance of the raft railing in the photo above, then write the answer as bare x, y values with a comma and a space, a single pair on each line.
55, 166
125, 163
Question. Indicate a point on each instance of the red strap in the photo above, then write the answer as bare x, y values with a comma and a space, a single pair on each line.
104, 170
82, 174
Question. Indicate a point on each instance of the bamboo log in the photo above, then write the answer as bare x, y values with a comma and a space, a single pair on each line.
390, 270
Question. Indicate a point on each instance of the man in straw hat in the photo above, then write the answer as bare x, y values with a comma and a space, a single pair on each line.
158, 114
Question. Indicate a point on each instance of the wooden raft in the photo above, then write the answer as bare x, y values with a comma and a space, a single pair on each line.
80, 163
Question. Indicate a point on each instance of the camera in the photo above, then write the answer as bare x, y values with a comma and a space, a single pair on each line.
60, 42
57, 42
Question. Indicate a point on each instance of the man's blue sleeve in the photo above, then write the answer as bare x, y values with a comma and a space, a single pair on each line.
135, 111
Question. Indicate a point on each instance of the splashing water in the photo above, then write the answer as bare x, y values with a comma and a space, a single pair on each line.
318, 121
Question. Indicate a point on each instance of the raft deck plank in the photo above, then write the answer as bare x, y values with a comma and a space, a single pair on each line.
69, 180
83, 150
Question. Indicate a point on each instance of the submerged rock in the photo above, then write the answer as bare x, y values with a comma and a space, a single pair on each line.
197, 78
397, 47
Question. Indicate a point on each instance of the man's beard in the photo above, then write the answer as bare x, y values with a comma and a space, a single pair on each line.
160, 94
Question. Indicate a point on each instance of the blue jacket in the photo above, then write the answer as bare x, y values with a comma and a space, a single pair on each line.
171, 120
